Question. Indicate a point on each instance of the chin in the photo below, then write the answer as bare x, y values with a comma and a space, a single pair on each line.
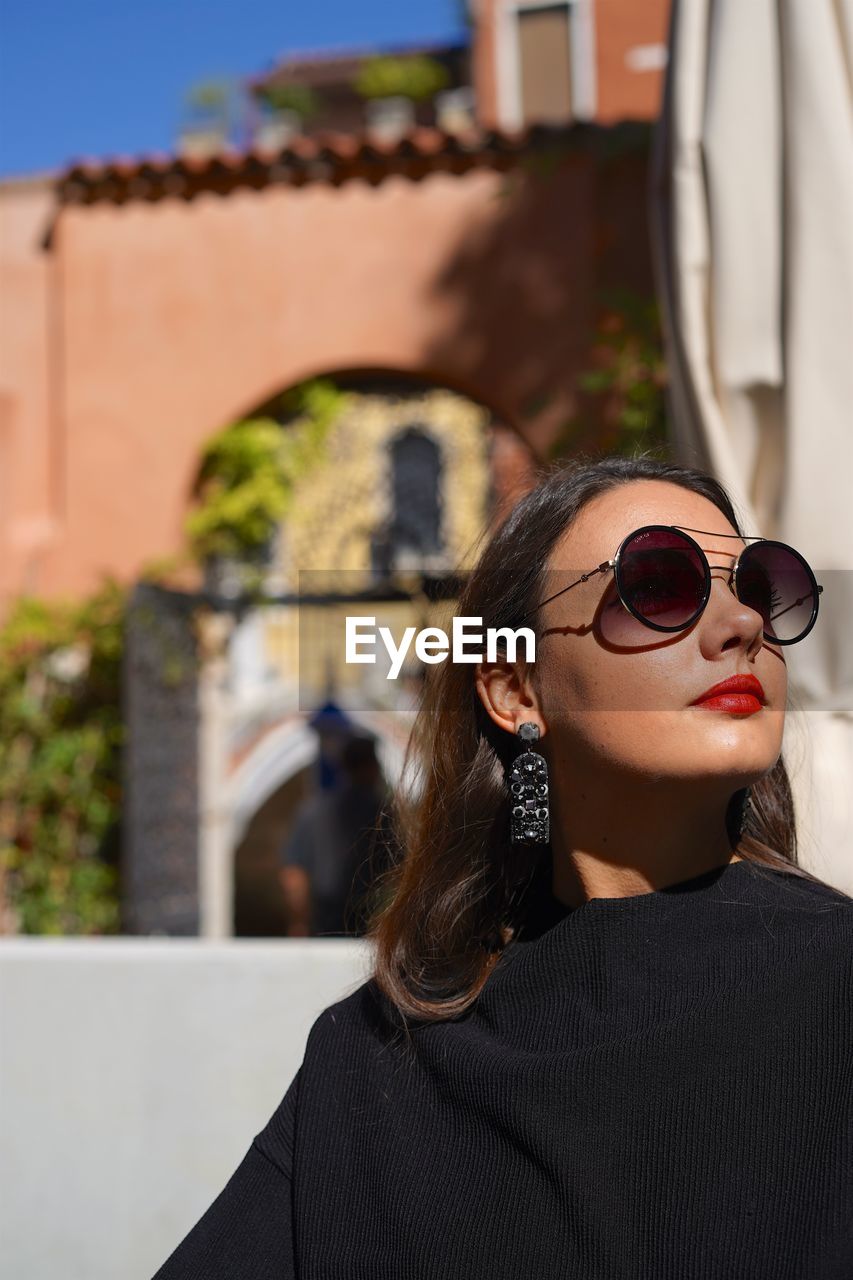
739, 737
735, 763
737, 749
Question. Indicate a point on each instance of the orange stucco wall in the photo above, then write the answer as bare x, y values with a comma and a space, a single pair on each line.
484, 60
168, 320
27, 413
620, 27
148, 326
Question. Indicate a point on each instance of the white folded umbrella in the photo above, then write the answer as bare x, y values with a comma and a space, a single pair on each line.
753, 227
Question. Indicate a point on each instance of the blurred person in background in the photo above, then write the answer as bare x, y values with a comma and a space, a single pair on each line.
336, 849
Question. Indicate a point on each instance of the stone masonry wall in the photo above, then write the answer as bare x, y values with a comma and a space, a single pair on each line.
160, 871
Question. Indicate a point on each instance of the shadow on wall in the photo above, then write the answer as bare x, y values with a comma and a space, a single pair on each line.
568, 227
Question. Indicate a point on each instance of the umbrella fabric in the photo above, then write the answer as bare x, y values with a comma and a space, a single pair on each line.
753, 228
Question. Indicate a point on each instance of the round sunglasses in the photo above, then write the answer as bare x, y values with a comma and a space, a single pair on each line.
663, 578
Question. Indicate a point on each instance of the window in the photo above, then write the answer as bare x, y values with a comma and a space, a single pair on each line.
545, 64
416, 469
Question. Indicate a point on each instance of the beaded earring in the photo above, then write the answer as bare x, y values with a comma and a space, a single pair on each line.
528, 790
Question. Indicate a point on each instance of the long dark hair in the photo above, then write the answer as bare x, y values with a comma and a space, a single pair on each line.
451, 902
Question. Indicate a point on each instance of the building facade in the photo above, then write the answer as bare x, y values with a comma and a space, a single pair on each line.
443, 261
147, 303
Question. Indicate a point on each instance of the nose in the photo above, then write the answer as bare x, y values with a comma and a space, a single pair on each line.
727, 622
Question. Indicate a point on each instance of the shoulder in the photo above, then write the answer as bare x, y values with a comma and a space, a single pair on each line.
819, 920
315, 807
365, 1017
798, 890
804, 895
342, 1042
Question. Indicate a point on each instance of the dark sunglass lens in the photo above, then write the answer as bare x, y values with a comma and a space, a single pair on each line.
775, 581
662, 577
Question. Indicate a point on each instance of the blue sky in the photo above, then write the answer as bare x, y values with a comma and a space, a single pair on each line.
108, 77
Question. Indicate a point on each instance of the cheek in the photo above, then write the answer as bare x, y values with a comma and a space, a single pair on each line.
773, 674
560, 680
578, 679
619, 627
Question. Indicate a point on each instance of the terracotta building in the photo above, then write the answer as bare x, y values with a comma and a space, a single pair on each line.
146, 303
439, 258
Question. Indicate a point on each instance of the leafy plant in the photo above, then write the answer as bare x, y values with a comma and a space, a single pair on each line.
621, 401
61, 730
417, 77
298, 98
210, 107
250, 469
242, 490
60, 749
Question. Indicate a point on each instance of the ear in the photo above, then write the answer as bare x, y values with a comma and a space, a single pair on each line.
507, 693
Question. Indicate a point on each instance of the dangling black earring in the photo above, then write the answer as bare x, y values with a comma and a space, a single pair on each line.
528, 790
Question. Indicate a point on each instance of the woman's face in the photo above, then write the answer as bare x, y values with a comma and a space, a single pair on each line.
615, 696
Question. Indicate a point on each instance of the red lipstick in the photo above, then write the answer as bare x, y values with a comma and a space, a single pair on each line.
739, 695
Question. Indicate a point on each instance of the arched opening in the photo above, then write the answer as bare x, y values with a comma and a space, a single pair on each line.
259, 905
335, 797
396, 485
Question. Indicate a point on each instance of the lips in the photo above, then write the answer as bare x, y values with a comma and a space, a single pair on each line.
742, 695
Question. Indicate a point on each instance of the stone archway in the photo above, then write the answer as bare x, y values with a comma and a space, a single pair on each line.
262, 671
343, 510
265, 793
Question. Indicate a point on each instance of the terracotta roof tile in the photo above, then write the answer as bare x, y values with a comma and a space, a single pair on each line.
337, 152
328, 157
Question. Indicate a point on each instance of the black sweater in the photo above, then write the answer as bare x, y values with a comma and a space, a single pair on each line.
657, 1087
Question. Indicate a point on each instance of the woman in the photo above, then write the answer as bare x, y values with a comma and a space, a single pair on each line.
610, 1028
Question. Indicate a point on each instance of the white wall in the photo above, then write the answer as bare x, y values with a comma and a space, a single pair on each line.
134, 1074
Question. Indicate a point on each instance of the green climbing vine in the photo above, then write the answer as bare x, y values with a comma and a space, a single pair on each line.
417, 77
621, 396
60, 751
250, 470
61, 730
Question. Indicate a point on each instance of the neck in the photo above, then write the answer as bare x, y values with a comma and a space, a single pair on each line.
614, 842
